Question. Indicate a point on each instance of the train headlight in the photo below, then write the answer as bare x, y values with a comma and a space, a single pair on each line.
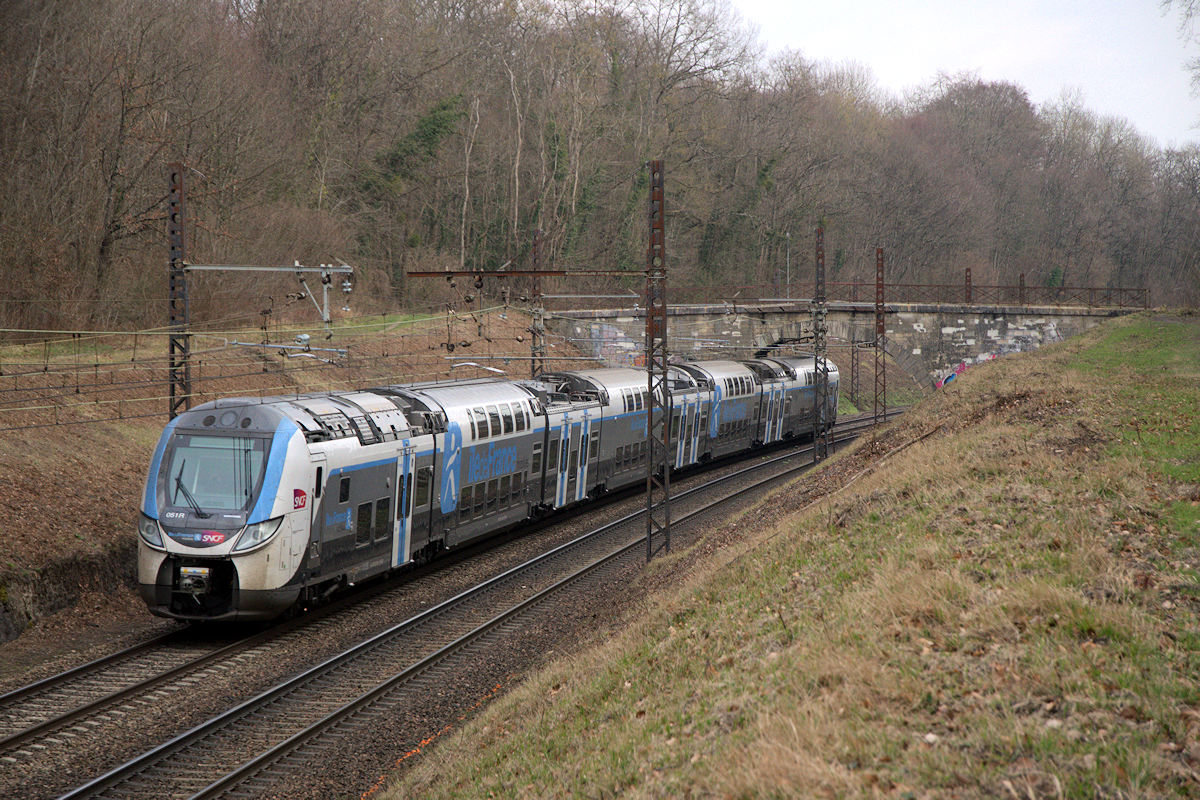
258, 533
148, 528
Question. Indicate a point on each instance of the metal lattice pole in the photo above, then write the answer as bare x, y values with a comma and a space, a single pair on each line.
658, 473
537, 340
820, 351
179, 364
880, 342
854, 359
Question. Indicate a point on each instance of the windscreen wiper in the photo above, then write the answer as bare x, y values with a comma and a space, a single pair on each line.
191, 501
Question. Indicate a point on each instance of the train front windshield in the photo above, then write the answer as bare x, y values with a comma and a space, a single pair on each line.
208, 472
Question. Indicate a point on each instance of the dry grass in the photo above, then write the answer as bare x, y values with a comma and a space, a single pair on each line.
73, 490
1007, 607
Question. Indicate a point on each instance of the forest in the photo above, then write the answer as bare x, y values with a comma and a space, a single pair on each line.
402, 135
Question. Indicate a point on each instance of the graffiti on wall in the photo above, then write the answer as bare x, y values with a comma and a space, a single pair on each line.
962, 367
613, 345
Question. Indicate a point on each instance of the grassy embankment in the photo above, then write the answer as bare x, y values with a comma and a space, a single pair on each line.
1007, 606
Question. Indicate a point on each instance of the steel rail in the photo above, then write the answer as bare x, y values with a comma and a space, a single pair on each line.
99, 705
255, 767
156, 756
10, 703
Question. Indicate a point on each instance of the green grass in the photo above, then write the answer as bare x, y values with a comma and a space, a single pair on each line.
1007, 608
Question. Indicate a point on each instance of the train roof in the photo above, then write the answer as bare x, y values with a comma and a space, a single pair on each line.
371, 416
467, 395
717, 370
803, 362
401, 410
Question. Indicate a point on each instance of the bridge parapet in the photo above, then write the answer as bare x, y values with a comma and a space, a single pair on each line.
965, 293
927, 340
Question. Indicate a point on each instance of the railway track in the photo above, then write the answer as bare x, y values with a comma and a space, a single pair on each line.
263, 742
86, 697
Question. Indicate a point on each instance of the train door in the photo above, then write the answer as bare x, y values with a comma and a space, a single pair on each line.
552, 472
768, 412
703, 446
685, 435
590, 455
316, 502
402, 523
420, 509
571, 459
780, 405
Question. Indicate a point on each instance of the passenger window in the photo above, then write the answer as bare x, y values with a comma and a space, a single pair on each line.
494, 415
481, 423
383, 519
423, 481
519, 415
535, 460
464, 504
344, 490
506, 413
492, 489
552, 456
518, 482
362, 531
505, 489
675, 425
479, 499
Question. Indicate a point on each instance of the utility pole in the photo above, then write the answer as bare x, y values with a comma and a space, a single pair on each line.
820, 348
537, 330
658, 473
854, 359
880, 342
179, 364
788, 261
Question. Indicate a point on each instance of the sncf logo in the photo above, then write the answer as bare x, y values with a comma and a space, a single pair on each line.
299, 499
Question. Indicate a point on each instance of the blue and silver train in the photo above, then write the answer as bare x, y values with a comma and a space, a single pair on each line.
254, 507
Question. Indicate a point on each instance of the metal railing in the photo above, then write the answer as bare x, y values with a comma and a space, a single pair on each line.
965, 293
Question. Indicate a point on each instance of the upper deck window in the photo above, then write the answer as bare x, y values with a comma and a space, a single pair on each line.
481, 423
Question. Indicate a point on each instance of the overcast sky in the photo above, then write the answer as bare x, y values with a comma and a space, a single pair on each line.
1125, 56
